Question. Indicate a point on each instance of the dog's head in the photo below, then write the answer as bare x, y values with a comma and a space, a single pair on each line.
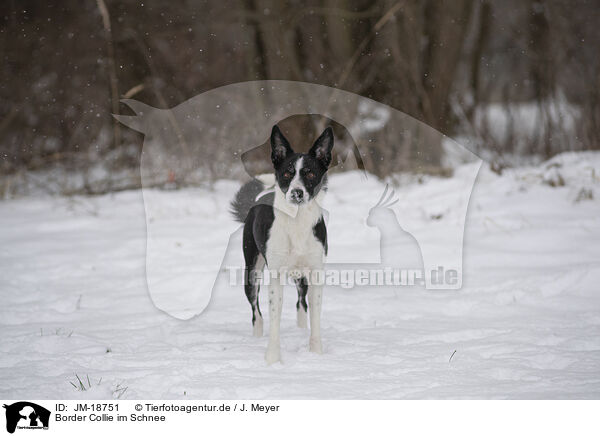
301, 176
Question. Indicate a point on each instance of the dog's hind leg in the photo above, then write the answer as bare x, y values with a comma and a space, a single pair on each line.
301, 306
252, 294
251, 287
255, 263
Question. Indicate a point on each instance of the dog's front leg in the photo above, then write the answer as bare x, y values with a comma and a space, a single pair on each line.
275, 302
315, 296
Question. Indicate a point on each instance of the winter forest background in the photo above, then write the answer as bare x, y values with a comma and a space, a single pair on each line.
514, 80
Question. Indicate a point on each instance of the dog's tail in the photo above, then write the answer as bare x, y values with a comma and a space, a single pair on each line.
256, 191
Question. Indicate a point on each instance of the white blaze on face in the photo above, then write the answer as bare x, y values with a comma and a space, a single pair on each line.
297, 183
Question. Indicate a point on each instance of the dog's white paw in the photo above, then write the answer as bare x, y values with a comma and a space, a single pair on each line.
272, 355
257, 329
301, 318
315, 345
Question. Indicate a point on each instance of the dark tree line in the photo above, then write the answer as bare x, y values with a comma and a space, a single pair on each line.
65, 65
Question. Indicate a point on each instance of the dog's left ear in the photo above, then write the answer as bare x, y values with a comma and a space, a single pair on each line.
321, 149
280, 147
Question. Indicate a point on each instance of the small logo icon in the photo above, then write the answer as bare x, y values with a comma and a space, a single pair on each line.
26, 415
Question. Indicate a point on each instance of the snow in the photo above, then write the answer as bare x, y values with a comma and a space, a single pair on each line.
519, 124
526, 323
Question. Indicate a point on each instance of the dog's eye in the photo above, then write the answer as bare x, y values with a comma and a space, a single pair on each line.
287, 175
310, 176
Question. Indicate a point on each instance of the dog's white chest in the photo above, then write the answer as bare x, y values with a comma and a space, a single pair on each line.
292, 242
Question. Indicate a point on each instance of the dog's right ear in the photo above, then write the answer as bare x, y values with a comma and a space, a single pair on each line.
280, 147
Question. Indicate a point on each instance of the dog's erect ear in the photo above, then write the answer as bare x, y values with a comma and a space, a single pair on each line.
321, 149
280, 147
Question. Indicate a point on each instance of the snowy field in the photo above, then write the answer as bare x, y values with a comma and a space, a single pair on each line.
526, 323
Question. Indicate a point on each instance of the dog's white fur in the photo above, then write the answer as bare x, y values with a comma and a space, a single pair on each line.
291, 248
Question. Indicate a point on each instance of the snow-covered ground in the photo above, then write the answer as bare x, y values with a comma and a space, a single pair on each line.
526, 323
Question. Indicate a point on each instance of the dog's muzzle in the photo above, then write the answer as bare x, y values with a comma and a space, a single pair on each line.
297, 196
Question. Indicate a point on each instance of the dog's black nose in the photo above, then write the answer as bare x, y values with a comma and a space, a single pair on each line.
297, 194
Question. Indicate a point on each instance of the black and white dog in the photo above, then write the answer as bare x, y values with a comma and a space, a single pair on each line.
285, 229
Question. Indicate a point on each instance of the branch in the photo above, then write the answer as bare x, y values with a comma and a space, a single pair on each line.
112, 73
